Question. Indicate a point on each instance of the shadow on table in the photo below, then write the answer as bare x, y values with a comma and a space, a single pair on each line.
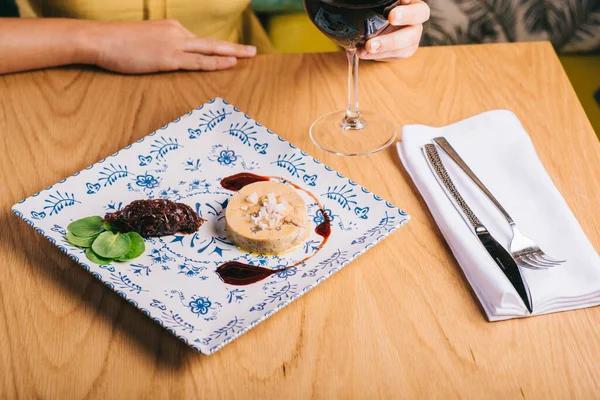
50, 264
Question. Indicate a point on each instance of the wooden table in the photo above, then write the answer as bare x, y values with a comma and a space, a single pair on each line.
399, 322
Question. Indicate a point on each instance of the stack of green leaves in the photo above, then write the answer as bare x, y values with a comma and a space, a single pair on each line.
101, 244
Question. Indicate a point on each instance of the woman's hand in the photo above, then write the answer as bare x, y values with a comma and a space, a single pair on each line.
152, 46
404, 42
127, 47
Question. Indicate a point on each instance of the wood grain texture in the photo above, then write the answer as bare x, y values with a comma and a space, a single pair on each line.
399, 322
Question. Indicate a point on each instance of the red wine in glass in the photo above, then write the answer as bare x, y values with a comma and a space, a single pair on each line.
351, 23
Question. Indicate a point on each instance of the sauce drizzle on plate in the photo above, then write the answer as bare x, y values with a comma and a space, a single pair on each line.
241, 274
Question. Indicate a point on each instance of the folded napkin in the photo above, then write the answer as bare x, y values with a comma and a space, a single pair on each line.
498, 149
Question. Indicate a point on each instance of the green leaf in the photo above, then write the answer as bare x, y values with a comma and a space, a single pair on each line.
138, 246
111, 245
95, 258
80, 241
86, 227
107, 226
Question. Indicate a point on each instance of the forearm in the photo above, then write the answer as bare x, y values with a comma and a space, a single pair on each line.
32, 43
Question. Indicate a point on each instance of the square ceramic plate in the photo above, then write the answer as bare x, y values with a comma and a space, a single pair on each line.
174, 282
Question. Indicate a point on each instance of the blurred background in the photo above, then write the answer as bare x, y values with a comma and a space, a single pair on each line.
573, 27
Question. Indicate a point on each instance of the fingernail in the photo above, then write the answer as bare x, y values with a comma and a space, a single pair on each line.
397, 16
231, 60
374, 46
251, 50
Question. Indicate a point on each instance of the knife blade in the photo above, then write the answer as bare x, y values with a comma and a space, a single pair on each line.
499, 254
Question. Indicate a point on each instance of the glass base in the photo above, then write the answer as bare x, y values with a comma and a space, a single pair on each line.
372, 133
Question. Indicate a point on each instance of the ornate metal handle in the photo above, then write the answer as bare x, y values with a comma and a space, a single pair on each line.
440, 170
447, 147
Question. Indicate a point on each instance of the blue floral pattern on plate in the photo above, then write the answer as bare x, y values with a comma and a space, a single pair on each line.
174, 281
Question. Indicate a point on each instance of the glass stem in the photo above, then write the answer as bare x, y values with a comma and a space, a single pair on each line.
352, 120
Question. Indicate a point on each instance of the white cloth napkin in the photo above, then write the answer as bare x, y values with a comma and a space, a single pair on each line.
498, 149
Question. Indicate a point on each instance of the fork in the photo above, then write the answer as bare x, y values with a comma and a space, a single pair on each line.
524, 250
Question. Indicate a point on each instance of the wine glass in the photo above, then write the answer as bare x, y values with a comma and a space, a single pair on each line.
350, 23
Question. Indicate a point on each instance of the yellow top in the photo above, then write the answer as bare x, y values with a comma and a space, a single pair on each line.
229, 20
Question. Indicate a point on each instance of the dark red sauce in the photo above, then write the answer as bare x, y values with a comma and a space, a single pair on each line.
324, 228
238, 181
241, 274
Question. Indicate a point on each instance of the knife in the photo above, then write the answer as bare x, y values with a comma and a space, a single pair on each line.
498, 253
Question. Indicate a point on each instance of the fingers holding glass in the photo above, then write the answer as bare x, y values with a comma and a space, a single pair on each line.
402, 42
399, 44
411, 14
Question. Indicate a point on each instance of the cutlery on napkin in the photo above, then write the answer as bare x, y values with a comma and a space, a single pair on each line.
497, 147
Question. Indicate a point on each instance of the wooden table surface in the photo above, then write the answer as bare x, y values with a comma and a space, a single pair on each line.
399, 322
